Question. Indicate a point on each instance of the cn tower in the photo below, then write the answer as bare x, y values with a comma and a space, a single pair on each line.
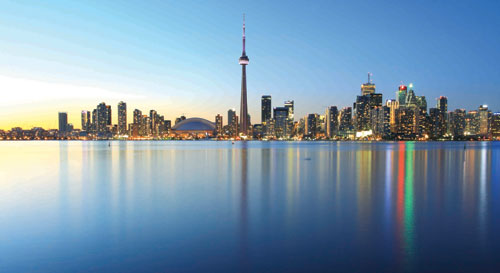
243, 105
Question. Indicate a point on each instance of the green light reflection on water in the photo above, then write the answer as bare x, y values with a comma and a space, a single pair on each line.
409, 221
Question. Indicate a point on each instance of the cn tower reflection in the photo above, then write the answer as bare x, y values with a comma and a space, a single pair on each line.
244, 208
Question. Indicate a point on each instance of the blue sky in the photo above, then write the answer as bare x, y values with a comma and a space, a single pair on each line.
181, 57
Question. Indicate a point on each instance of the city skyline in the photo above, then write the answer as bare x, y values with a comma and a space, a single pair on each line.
47, 70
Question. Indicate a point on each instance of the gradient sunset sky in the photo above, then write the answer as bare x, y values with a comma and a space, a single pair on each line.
181, 57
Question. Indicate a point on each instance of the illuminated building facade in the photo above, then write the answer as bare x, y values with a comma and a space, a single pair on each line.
281, 124
218, 124
401, 95
368, 87
345, 121
495, 126
311, 125
484, 120
457, 123
265, 110
331, 121
393, 107
103, 118
362, 113
472, 123
86, 121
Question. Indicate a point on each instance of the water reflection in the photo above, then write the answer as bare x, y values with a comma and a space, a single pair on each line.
244, 265
251, 206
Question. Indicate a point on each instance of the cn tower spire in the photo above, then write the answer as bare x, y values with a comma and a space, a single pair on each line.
243, 35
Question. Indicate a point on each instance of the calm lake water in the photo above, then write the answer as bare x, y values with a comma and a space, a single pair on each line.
249, 207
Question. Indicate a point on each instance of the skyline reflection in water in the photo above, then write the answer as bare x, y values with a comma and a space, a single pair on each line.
252, 206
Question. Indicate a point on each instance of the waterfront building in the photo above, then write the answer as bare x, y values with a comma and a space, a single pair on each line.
495, 126
265, 110
94, 121
232, 121
362, 113
268, 128
153, 117
289, 104
472, 123
311, 125
345, 121
63, 122
442, 121
122, 118
457, 123
407, 123
381, 122
393, 106
103, 118
218, 124
332, 121
86, 121
484, 120
168, 126
257, 131
194, 128
290, 107
109, 122
281, 124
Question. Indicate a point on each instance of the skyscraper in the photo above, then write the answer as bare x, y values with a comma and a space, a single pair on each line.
230, 116
442, 106
345, 121
122, 118
393, 106
243, 104
434, 127
281, 127
362, 113
289, 106
457, 123
153, 117
472, 123
484, 120
265, 110
109, 120
86, 121
218, 124
63, 122
401, 95
331, 121
495, 125
368, 88
94, 121
311, 126
103, 117
232, 122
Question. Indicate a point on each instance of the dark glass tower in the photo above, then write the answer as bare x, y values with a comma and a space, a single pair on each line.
265, 108
243, 104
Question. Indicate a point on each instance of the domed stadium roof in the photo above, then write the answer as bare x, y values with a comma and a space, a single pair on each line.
194, 124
